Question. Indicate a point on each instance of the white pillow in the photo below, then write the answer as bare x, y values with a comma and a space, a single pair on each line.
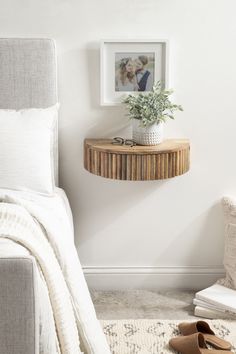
229, 209
26, 149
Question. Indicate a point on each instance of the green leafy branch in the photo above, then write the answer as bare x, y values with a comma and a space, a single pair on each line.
152, 107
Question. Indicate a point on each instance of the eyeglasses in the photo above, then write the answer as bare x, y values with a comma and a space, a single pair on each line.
120, 141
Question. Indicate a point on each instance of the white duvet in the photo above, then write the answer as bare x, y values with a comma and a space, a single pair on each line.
43, 226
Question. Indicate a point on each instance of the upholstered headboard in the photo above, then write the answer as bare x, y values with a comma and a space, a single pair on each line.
28, 75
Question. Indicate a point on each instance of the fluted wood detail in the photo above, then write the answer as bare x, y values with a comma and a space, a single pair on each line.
138, 163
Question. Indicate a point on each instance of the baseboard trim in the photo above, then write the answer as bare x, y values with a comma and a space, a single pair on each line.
146, 277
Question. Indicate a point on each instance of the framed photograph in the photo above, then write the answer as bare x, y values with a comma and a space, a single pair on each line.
131, 66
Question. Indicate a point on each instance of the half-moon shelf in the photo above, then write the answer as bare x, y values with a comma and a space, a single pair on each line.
138, 163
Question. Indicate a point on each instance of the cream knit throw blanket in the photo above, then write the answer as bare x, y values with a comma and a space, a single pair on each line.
57, 258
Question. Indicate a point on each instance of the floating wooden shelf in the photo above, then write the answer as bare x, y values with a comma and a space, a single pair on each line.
137, 163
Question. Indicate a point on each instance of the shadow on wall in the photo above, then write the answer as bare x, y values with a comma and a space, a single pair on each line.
113, 117
93, 71
110, 203
203, 238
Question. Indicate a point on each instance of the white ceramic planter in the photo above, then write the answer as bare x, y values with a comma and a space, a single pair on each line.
150, 135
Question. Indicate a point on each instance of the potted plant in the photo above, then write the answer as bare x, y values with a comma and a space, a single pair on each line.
148, 112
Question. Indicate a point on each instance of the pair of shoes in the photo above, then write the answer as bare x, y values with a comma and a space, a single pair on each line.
195, 337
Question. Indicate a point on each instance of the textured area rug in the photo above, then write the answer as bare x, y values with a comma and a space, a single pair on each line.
152, 336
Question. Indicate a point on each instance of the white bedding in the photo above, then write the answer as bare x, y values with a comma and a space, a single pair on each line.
55, 216
58, 203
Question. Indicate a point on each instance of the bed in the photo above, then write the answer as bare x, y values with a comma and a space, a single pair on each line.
33, 317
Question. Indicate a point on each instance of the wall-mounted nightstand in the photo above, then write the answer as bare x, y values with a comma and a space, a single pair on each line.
138, 163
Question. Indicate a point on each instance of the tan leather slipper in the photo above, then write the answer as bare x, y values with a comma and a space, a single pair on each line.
187, 328
193, 344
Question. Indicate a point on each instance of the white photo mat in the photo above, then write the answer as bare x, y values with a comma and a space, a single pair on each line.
111, 48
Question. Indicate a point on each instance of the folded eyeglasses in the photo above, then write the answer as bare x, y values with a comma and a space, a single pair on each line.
120, 141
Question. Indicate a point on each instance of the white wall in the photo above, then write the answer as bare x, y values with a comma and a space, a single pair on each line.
160, 233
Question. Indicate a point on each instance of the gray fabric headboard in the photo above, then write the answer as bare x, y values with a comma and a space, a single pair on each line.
28, 75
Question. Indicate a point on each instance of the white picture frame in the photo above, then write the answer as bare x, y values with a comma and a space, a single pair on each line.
112, 50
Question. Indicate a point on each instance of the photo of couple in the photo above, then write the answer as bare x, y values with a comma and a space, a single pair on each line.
134, 71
